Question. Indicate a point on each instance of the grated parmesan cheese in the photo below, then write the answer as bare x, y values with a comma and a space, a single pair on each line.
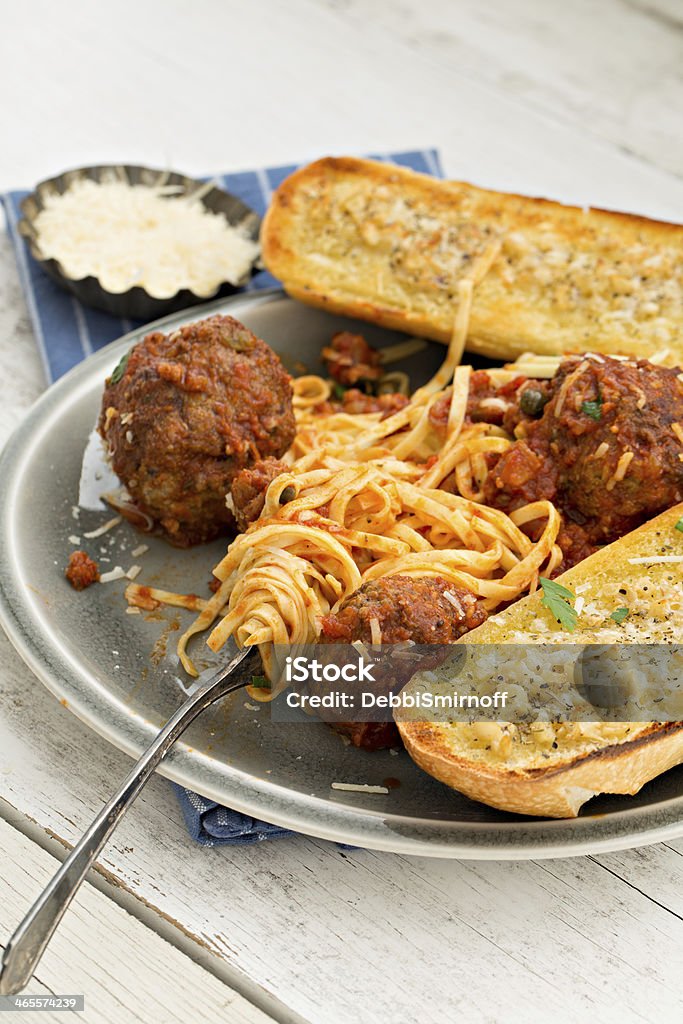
620, 472
116, 573
655, 559
353, 787
128, 235
453, 600
375, 632
109, 525
359, 646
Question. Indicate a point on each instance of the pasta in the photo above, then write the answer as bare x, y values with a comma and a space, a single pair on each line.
361, 500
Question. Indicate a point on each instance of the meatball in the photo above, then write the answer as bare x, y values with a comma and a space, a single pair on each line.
81, 572
248, 490
357, 403
350, 360
607, 448
405, 609
184, 412
486, 403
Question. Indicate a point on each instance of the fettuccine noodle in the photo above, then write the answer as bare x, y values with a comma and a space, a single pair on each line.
365, 502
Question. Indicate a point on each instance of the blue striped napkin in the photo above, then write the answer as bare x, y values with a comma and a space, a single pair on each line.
66, 332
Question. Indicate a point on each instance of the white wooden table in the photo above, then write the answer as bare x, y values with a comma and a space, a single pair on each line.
577, 100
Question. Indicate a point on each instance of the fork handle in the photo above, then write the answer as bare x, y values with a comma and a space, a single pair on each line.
27, 944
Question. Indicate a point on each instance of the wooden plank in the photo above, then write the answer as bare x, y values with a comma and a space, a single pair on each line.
299, 917
18, 352
350, 78
125, 970
656, 871
36, 988
613, 73
355, 936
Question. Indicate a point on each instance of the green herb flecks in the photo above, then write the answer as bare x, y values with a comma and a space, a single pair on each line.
120, 369
261, 682
556, 599
679, 525
338, 390
593, 409
619, 615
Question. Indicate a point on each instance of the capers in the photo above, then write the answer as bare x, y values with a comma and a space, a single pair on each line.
532, 402
287, 494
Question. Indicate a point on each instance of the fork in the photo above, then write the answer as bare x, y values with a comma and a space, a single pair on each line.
29, 941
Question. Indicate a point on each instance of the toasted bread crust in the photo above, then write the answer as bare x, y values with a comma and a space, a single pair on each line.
558, 792
559, 789
389, 245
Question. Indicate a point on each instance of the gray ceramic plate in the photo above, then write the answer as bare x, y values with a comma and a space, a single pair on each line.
119, 674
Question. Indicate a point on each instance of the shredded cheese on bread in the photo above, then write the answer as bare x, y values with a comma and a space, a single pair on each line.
631, 592
388, 245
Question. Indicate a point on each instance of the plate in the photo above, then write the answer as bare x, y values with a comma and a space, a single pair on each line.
119, 674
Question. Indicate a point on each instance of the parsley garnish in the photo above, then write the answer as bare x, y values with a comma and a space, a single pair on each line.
261, 682
338, 390
120, 369
556, 599
593, 409
679, 525
619, 615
